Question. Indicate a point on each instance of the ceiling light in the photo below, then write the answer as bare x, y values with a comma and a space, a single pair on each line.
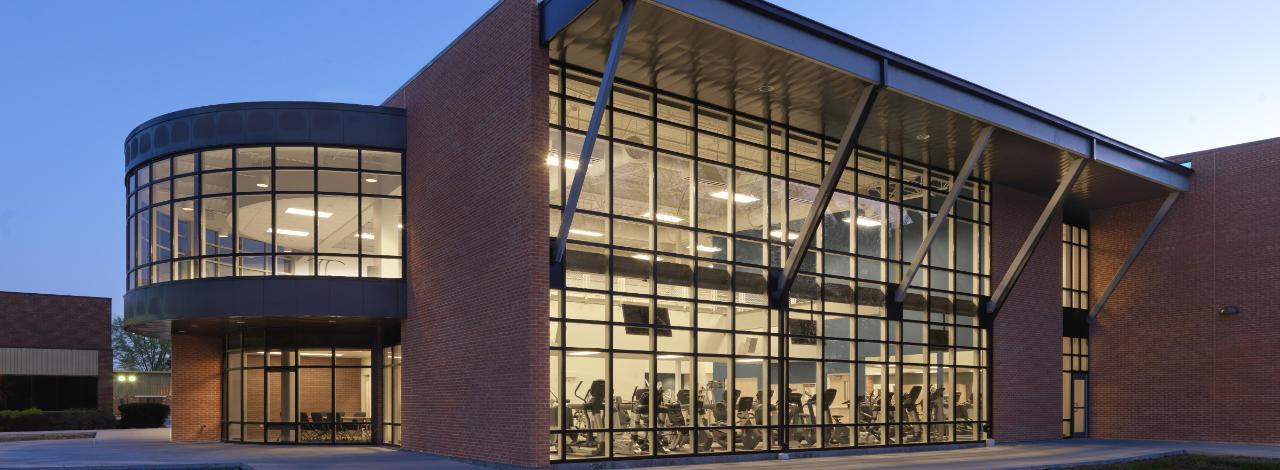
766, 88
640, 256
583, 353
864, 221
371, 180
364, 235
709, 249
188, 209
737, 197
585, 233
291, 233
664, 217
669, 356
400, 226
922, 136
308, 212
778, 234
553, 160
750, 361
262, 185
223, 235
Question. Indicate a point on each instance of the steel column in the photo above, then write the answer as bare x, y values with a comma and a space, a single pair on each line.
782, 281
1133, 254
1037, 231
593, 130
944, 212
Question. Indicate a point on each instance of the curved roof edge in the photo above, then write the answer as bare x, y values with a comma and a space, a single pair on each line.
265, 122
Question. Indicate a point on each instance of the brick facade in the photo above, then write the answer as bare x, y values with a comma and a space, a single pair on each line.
197, 388
475, 338
1027, 337
60, 322
1165, 364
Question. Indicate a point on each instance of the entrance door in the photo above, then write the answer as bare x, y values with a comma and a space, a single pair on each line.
1079, 404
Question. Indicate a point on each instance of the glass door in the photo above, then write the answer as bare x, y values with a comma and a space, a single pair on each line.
1079, 404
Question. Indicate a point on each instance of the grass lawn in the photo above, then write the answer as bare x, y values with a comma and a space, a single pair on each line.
1193, 462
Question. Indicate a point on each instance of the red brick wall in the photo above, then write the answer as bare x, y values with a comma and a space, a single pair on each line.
1027, 338
197, 388
475, 338
60, 322
1165, 364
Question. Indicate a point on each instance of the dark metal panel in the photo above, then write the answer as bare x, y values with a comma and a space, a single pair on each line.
557, 14
945, 94
266, 296
266, 123
755, 24
1161, 174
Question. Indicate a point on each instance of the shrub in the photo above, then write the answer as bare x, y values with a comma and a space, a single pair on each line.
143, 415
33, 419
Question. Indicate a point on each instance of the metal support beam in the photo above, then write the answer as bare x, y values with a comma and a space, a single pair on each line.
1037, 231
593, 130
944, 212
1133, 254
782, 281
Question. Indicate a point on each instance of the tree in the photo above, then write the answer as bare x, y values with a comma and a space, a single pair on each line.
137, 352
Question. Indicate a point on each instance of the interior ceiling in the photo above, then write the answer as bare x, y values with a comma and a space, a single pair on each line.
689, 57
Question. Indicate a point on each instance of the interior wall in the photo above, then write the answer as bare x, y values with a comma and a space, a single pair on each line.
475, 336
1027, 338
1165, 363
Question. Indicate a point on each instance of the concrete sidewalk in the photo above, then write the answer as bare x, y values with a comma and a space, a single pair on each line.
1030, 455
142, 448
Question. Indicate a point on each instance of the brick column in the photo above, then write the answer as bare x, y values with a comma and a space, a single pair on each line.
1027, 339
196, 394
475, 337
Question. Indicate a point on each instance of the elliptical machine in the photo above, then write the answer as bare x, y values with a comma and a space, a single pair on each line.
590, 415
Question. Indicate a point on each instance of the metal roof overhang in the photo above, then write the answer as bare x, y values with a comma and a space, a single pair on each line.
723, 52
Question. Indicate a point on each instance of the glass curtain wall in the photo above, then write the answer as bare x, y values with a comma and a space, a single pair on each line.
280, 390
265, 211
663, 341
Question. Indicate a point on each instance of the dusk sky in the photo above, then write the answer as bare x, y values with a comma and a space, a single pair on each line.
1166, 76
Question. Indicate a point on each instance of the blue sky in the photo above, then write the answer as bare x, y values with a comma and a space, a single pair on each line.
1168, 76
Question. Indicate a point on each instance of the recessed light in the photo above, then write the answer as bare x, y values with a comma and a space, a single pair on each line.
308, 212
332, 321
188, 209
262, 185
765, 88
922, 136
370, 180
291, 233
585, 233
737, 197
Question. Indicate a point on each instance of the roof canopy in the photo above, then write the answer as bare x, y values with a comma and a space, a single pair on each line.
760, 59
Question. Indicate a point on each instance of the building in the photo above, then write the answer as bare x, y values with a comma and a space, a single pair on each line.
491, 266
141, 386
55, 352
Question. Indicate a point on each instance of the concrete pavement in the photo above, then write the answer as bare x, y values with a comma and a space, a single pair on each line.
143, 448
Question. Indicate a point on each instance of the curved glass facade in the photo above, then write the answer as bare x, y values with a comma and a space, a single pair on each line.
298, 387
265, 211
663, 341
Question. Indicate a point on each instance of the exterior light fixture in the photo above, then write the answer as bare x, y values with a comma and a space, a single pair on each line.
1230, 310
133, 378
121, 378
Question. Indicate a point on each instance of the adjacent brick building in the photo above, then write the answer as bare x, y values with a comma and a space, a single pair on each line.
448, 272
55, 351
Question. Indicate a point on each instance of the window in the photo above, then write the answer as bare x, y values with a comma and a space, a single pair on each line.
663, 341
1075, 267
391, 406
266, 211
287, 387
